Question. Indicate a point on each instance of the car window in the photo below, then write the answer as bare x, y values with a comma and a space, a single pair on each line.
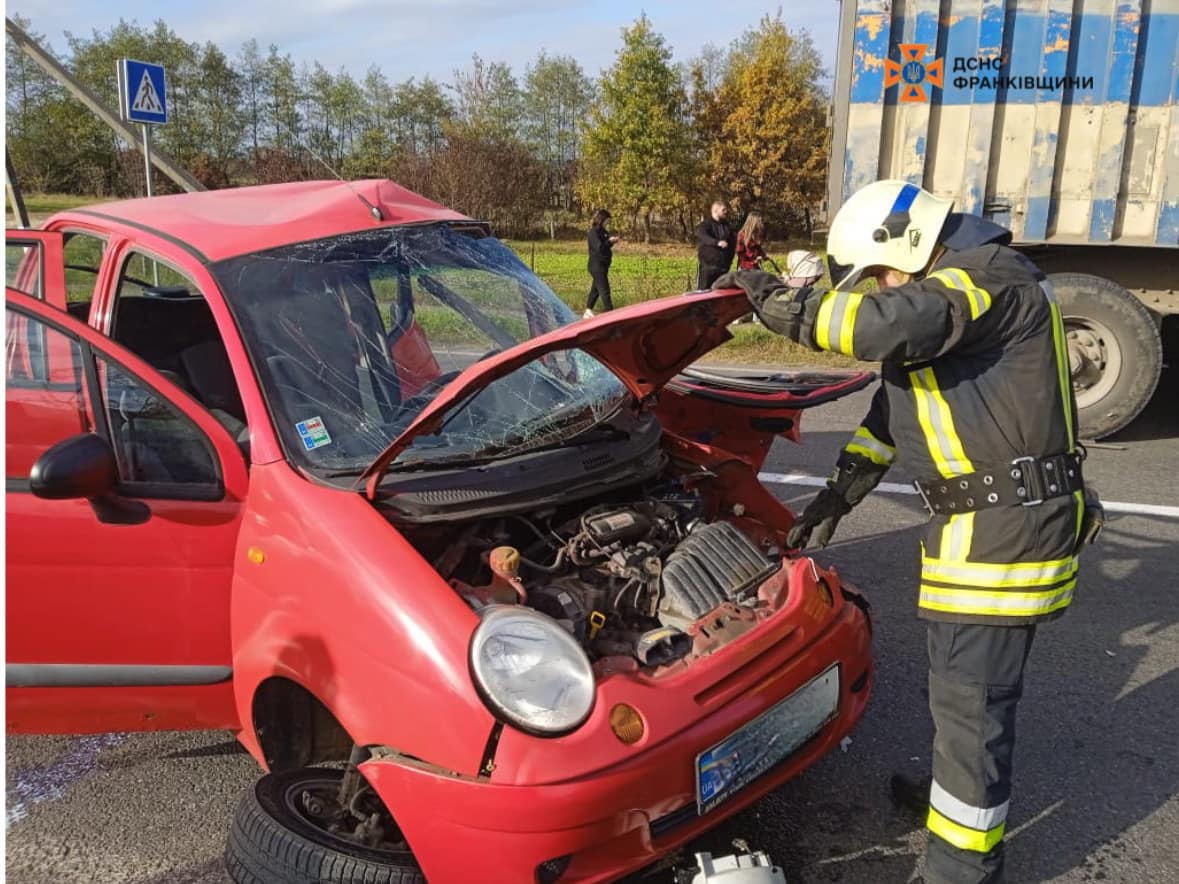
160, 452
142, 275
162, 317
83, 258
45, 403
155, 444
24, 267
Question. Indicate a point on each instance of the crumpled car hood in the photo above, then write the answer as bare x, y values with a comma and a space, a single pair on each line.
645, 345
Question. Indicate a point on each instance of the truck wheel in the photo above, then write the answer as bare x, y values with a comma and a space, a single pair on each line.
289, 829
1115, 351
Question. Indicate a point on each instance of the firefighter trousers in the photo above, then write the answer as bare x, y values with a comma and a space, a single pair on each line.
975, 682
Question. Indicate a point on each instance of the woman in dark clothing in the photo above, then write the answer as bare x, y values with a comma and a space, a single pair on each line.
601, 251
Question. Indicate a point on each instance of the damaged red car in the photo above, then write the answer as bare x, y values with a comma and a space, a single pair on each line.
490, 592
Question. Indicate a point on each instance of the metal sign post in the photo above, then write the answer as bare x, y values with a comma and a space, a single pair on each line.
143, 99
147, 155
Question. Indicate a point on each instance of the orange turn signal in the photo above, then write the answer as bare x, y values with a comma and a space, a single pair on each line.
626, 723
255, 555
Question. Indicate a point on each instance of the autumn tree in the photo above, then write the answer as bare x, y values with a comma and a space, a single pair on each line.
766, 124
638, 133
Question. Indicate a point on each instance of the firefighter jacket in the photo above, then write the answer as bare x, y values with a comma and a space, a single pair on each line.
975, 374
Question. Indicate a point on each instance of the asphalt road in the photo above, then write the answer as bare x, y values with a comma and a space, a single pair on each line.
1097, 767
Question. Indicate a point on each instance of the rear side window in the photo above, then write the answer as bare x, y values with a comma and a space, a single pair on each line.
24, 267
83, 258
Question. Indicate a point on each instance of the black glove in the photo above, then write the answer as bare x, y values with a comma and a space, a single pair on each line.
789, 312
854, 476
824, 513
1092, 521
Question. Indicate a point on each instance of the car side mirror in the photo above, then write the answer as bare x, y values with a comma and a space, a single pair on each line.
84, 466
80, 466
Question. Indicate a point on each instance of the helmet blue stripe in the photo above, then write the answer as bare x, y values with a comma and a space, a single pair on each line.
905, 198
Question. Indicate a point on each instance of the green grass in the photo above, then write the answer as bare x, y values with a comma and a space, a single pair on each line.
41, 205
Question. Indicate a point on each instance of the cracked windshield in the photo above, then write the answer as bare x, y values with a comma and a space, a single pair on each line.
354, 335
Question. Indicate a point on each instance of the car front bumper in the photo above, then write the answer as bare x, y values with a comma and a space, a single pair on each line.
622, 817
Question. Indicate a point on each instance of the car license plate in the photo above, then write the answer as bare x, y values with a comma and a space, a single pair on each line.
761, 744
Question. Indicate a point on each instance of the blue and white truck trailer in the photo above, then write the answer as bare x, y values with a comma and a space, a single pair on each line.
1058, 119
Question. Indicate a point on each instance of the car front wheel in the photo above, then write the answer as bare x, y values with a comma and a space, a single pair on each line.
291, 829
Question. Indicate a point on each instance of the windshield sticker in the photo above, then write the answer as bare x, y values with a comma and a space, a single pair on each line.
313, 433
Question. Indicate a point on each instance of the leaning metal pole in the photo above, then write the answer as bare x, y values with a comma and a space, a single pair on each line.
50, 65
13, 186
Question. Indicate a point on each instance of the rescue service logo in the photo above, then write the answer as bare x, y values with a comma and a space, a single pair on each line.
912, 73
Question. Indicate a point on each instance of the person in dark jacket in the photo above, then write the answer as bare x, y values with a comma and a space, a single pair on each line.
601, 253
715, 246
977, 401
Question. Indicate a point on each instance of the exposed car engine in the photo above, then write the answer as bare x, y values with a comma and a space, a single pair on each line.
631, 578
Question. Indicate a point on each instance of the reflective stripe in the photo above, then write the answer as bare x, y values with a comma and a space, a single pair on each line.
835, 325
966, 814
863, 442
938, 425
1063, 371
979, 299
994, 575
962, 837
956, 537
823, 321
980, 603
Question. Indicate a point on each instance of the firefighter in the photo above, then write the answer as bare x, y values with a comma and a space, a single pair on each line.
976, 400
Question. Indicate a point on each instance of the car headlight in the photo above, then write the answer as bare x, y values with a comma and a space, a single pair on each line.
530, 672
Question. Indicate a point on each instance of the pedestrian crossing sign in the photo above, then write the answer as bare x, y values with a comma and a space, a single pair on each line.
142, 95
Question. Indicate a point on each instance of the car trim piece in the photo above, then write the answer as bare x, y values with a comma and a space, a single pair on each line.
104, 675
176, 241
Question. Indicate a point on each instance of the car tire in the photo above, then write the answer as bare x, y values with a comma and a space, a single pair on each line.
1119, 344
272, 842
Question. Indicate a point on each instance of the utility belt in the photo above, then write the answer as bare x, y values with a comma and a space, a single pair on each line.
1026, 481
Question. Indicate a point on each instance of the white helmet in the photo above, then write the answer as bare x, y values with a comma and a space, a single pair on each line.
801, 264
886, 224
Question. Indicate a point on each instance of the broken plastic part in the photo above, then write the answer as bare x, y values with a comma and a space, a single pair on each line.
750, 868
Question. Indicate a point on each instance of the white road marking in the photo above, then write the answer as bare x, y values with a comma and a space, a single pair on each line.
1111, 506
819, 482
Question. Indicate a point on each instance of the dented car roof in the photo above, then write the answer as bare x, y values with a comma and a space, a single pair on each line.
219, 224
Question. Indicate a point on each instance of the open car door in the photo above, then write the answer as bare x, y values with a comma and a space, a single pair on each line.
124, 497
33, 265
742, 414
